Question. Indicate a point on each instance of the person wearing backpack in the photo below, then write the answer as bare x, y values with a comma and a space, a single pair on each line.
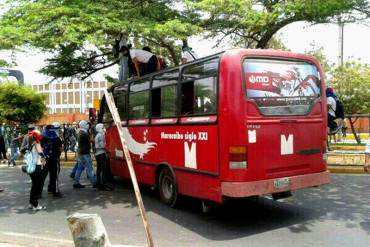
332, 105
52, 146
39, 174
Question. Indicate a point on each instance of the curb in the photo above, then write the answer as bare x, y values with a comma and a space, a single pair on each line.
346, 169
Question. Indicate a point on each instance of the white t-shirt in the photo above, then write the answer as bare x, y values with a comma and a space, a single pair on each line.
189, 56
332, 105
141, 55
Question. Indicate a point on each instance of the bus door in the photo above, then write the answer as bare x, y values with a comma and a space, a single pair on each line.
285, 123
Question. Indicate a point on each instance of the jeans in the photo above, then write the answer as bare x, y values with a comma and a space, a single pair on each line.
85, 162
73, 172
14, 153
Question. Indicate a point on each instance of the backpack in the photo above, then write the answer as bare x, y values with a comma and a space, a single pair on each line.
47, 146
29, 162
339, 111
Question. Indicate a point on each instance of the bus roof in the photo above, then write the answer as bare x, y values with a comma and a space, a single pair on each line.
231, 52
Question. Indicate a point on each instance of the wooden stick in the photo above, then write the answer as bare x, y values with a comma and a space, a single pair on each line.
117, 120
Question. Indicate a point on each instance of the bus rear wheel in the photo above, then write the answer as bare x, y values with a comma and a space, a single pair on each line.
167, 187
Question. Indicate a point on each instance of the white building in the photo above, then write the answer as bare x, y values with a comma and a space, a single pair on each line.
71, 97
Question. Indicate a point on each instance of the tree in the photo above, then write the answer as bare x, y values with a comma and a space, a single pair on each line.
318, 53
20, 103
257, 21
352, 85
80, 32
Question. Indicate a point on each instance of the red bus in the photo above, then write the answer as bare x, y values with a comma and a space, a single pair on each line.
236, 124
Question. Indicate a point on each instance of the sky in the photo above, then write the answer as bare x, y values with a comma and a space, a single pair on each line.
297, 37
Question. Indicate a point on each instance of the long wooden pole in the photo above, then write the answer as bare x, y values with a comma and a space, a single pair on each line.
117, 120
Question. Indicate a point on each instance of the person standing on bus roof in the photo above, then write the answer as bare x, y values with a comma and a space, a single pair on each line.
332, 104
144, 62
187, 54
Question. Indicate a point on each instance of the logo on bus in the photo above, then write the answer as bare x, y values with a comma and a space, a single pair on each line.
258, 81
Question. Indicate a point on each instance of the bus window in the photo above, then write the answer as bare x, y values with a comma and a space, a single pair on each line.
120, 98
105, 115
139, 100
281, 87
164, 94
199, 88
200, 70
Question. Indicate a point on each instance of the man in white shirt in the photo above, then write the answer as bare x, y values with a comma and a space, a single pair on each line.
144, 62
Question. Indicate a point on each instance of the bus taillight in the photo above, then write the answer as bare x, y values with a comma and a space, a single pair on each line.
238, 157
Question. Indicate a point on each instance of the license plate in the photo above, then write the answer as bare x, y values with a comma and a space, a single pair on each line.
281, 183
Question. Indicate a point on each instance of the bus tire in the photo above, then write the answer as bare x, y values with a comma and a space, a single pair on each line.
167, 187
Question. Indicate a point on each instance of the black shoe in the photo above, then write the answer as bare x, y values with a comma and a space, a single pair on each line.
95, 186
78, 186
57, 195
72, 176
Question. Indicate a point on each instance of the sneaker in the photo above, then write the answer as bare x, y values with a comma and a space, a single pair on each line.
30, 206
38, 208
78, 186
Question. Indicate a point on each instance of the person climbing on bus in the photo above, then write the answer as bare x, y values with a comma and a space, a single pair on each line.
140, 62
187, 54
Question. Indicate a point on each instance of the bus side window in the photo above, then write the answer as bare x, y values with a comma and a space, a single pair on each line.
164, 94
105, 115
120, 98
139, 100
199, 88
187, 98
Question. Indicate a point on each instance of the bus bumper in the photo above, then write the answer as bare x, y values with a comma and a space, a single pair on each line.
269, 186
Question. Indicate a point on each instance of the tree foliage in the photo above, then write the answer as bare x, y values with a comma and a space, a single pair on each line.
80, 32
257, 21
20, 103
319, 54
351, 83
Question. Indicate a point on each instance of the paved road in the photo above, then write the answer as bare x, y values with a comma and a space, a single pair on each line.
334, 215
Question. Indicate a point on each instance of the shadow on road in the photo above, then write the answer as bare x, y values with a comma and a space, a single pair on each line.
233, 220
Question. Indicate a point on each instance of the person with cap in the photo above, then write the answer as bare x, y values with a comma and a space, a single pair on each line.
187, 54
39, 175
84, 158
52, 146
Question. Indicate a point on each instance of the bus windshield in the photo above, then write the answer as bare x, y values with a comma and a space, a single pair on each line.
281, 87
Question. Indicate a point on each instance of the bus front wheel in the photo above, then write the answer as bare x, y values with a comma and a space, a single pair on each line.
167, 187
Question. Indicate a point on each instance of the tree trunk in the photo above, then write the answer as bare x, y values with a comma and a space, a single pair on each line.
172, 52
353, 130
